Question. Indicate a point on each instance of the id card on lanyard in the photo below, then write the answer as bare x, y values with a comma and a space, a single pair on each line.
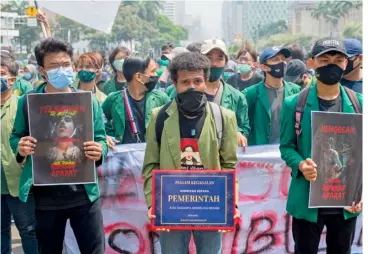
132, 119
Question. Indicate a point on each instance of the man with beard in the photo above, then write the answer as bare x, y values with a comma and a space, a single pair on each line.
189, 121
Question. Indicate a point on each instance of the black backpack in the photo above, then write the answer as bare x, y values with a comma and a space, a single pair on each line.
216, 114
302, 99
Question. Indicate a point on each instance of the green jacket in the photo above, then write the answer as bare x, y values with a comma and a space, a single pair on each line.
11, 168
292, 153
110, 86
168, 155
21, 87
114, 110
231, 99
259, 112
21, 130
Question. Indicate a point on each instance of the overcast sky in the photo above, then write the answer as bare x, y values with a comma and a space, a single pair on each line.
211, 20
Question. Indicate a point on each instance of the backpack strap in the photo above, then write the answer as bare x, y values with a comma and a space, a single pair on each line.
354, 100
217, 115
302, 100
160, 121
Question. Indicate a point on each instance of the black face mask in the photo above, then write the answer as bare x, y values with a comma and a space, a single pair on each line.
350, 67
277, 70
191, 102
151, 84
330, 74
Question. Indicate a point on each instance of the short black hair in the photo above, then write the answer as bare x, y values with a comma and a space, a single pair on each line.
243, 51
116, 51
195, 47
51, 45
11, 65
297, 51
164, 47
134, 64
189, 61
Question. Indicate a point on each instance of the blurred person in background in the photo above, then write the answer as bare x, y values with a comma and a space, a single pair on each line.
230, 69
246, 75
118, 81
297, 52
297, 73
30, 74
20, 86
195, 47
353, 76
100, 78
87, 67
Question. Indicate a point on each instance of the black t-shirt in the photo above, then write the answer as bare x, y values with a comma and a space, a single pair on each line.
210, 97
138, 108
239, 84
190, 130
334, 105
59, 197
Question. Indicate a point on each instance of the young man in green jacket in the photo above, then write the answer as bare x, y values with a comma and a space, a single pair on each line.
55, 204
265, 99
188, 123
118, 81
329, 61
127, 112
11, 206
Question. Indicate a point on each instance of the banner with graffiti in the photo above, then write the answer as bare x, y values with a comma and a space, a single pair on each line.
263, 187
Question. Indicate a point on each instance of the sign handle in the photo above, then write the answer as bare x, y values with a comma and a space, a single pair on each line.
42, 24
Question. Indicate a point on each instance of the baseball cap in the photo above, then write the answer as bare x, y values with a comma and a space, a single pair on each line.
324, 46
294, 69
273, 51
175, 51
211, 44
353, 47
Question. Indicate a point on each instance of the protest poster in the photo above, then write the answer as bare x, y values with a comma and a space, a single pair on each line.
61, 123
337, 151
263, 188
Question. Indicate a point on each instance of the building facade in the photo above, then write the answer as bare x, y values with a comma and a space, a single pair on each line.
301, 21
232, 20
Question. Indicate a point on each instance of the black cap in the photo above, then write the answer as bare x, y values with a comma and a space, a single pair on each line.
295, 68
328, 45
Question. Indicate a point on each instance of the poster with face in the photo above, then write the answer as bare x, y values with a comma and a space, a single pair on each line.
61, 123
337, 151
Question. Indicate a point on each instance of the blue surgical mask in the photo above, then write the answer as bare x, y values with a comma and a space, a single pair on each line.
4, 84
27, 76
60, 78
118, 64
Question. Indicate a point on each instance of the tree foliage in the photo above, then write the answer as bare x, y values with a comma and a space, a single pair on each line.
333, 11
27, 35
353, 30
272, 28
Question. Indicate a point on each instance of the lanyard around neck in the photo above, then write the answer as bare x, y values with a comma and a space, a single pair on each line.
132, 119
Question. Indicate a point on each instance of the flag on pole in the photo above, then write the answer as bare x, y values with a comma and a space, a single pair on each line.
97, 14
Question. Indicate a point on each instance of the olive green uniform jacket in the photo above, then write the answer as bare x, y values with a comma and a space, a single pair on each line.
168, 155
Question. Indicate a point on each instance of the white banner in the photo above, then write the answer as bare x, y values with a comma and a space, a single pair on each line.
263, 186
97, 14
